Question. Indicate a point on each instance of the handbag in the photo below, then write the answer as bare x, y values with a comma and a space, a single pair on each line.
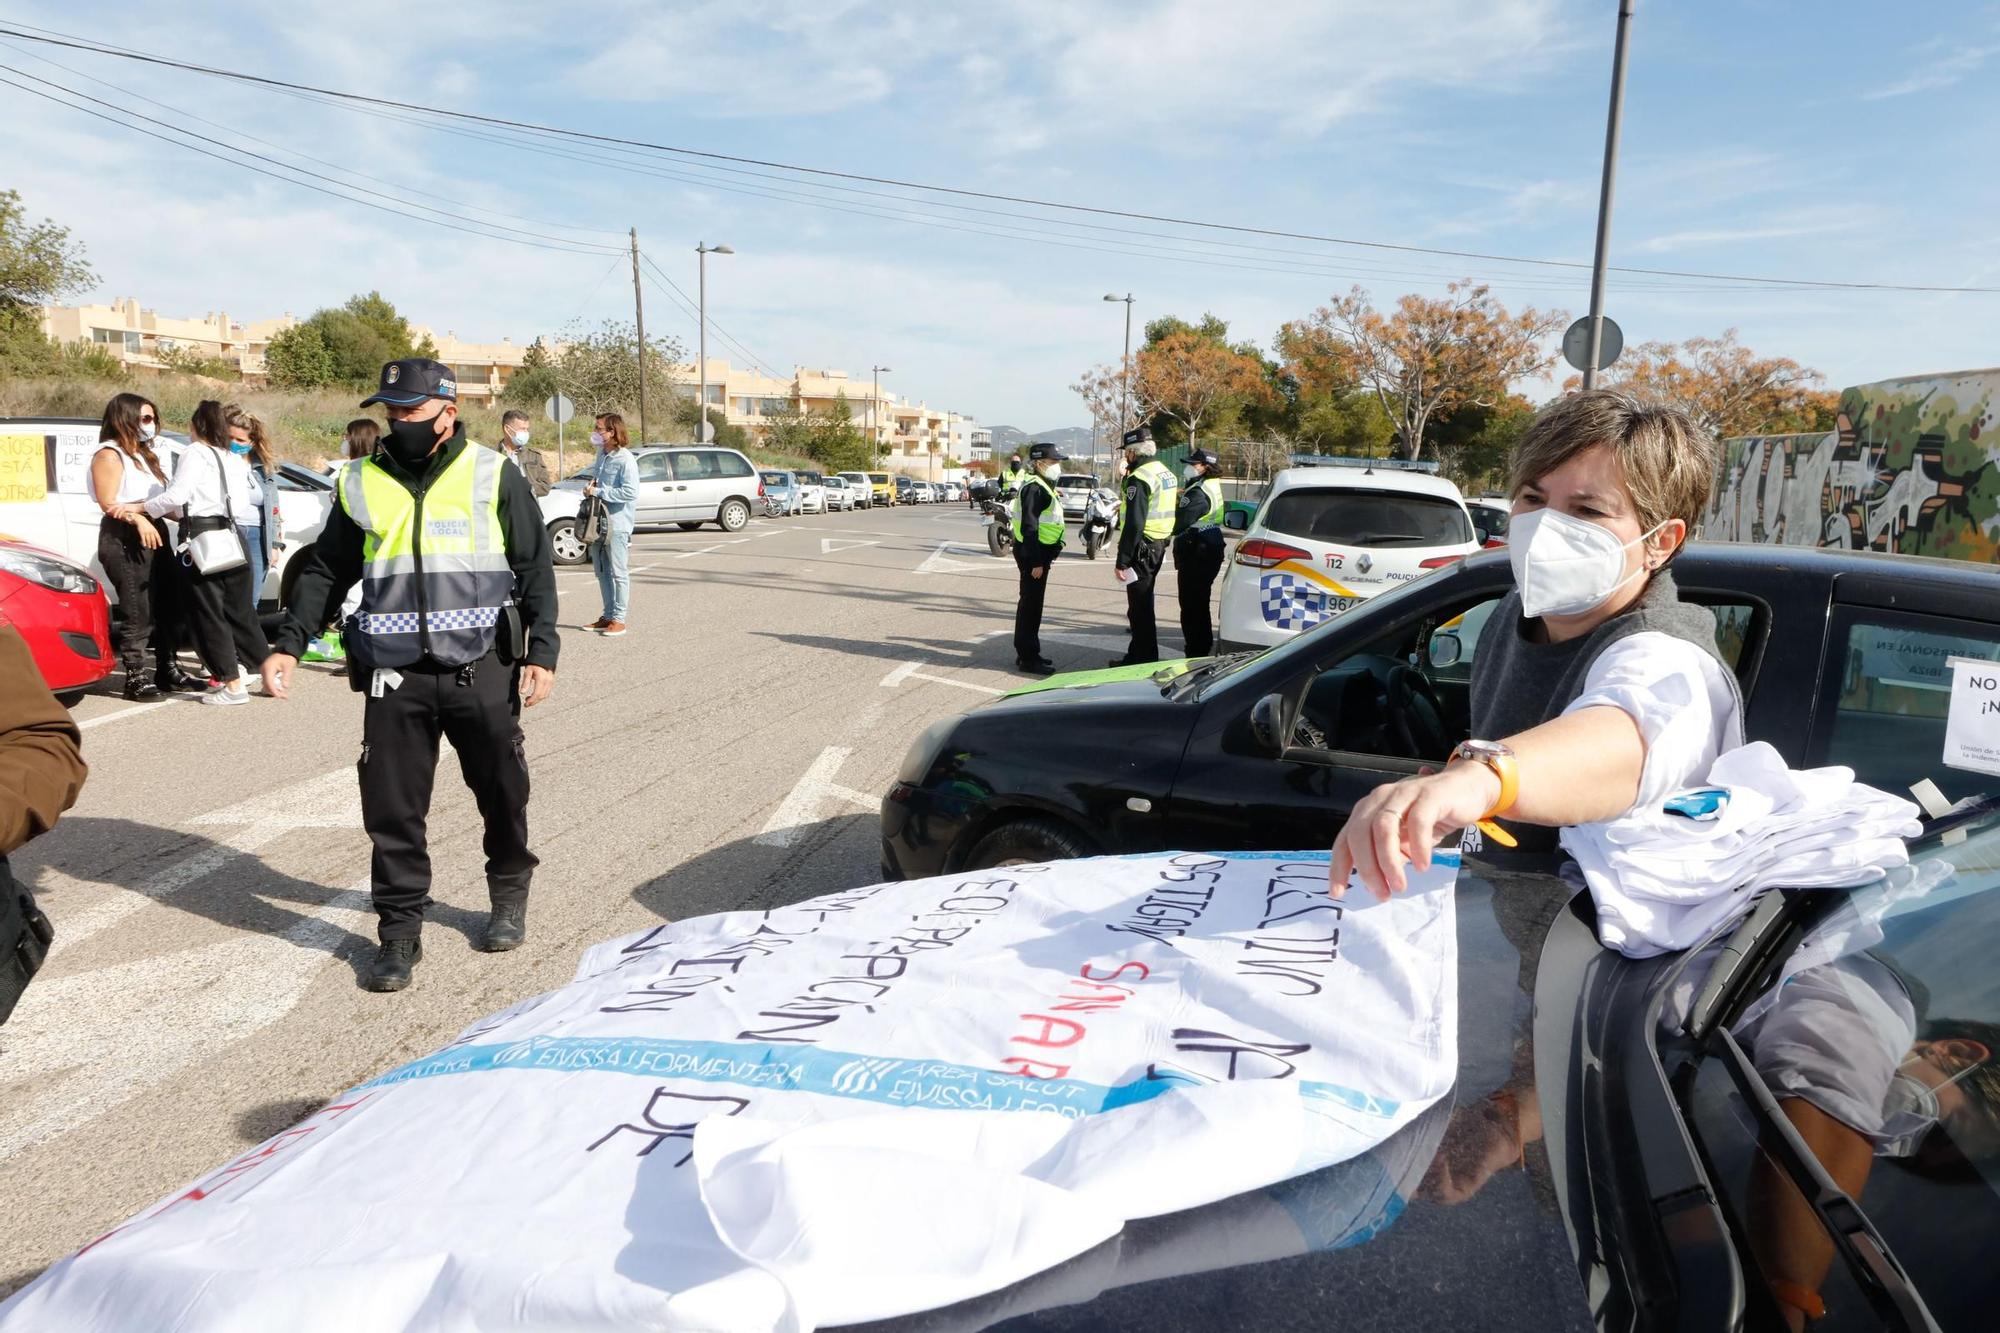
592, 519
212, 544
25, 936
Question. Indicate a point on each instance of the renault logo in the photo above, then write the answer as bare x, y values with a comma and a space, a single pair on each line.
1365, 563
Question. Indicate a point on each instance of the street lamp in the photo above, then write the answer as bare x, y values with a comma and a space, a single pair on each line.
701, 404
1124, 371
874, 406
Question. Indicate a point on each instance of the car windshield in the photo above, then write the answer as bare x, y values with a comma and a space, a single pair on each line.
879, 478
1078, 481
809, 479
1357, 517
775, 479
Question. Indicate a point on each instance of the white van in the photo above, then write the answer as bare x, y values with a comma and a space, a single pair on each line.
684, 486
45, 495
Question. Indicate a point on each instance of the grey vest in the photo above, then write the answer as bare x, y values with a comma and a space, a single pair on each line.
1518, 683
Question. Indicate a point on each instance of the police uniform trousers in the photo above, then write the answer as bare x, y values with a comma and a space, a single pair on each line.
1029, 557
479, 710
1197, 560
1139, 600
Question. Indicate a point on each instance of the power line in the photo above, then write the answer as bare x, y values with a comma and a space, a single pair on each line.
961, 192
689, 305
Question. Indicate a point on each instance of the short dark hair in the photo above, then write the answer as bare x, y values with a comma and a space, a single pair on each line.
1667, 460
512, 415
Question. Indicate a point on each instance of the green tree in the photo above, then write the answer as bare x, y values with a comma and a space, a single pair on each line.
723, 433
39, 265
535, 381
298, 358
1351, 424
344, 345
789, 430
835, 443
189, 361
599, 368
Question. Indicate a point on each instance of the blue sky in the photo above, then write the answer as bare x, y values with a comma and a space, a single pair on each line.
1844, 140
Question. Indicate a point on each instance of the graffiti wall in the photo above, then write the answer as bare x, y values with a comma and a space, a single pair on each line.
1912, 466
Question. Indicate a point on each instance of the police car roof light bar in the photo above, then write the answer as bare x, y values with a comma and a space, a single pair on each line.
1386, 464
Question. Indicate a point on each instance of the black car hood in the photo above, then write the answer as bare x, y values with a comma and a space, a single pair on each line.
1363, 1243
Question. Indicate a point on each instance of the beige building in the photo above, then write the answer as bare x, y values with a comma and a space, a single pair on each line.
144, 340
913, 437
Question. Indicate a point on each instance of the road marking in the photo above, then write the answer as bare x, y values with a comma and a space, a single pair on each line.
938, 563
814, 789
829, 545
912, 671
134, 711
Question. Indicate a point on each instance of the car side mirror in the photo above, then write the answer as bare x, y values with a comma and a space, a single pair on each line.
1236, 519
1267, 723
1446, 650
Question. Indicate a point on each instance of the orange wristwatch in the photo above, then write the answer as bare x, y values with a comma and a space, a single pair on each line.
1501, 760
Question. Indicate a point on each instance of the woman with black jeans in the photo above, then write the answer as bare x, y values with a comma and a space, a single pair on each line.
134, 547
212, 486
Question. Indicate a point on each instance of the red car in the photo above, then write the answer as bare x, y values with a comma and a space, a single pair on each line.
61, 610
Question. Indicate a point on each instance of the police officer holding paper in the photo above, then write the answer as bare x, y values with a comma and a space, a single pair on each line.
455, 632
1150, 496
1198, 549
1038, 537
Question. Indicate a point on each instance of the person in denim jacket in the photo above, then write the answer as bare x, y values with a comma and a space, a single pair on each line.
615, 480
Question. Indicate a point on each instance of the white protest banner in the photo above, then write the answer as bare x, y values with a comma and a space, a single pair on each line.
1972, 727
866, 1104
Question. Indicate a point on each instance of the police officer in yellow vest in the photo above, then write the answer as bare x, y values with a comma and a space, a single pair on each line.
1150, 496
1038, 537
1198, 549
1013, 475
455, 632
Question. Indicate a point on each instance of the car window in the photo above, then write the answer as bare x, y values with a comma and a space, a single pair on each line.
809, 479
727, 464
1890, 678
653, 467
774, 478
693, 466
1879, 1040
1489, 522
1367, 518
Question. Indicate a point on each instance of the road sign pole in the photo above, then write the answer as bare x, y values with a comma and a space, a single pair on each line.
1611, 128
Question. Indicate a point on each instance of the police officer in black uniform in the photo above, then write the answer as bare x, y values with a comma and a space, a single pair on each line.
1038, 537
1150, 494
1198, 549
455, 632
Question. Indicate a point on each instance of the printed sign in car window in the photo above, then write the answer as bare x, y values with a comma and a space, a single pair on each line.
74, 447
23, 468
1972, 727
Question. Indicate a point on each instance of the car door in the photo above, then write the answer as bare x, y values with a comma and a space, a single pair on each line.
695, 486
658, 500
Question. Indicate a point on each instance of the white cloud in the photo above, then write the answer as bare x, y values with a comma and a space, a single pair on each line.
1942, 72
1723, 236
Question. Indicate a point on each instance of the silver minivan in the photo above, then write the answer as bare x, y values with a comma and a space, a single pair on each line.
686, 486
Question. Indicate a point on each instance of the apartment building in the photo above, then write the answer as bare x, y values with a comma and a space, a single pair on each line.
144, 339
913, 437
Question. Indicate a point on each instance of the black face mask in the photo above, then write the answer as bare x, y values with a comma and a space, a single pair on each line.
411, 442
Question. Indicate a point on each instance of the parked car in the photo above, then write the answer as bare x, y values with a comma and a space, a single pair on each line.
1490, 517
1328, 538
812, 492
61, 610
1651, 1132
953, 490
906, 490
840, 495
684, 486
882, 486
1073, 489
64, 517
781, 492
863, 488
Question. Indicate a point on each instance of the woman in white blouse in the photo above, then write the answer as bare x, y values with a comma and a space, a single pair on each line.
211, 486
133, 547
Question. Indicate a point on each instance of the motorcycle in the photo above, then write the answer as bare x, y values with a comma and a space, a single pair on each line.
1100, 520
999, 523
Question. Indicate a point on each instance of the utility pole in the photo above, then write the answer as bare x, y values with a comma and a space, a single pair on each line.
639, 321
1611, 127
874, 406
704, 249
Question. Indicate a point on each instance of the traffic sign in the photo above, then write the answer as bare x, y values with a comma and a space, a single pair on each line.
1576, 343
558, 409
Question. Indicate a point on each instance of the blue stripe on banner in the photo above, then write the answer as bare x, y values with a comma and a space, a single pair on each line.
887, 1080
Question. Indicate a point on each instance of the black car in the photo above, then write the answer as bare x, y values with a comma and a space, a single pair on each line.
1620, 1150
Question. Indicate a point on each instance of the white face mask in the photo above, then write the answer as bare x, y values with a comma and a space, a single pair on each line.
597, 438
520, 438
147, 430
1565, 566
1052, 470
1910, 1110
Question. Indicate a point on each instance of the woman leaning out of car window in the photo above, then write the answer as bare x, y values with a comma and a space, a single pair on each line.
1595, 688
614, 479
258, 526
133, 546
211, 486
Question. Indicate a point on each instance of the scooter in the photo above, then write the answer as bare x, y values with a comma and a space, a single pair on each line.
1100, 520
999, 524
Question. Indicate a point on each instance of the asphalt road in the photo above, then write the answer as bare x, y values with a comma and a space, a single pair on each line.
209, 890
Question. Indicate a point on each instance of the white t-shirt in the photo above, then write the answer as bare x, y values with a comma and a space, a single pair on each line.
1682, 700
136, 482
205, 490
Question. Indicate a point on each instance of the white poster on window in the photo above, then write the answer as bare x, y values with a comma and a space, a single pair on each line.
1972, 728
870, 1103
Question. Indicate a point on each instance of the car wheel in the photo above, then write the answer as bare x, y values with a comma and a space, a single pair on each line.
688, 527
735, 516
1026, 842
71, 698
567, 545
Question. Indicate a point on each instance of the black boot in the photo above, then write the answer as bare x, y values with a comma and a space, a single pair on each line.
1037, 667
506, 928
173, 678
136, 689
391, 969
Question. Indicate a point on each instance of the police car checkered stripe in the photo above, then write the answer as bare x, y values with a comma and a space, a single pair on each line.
1291, 603
405, 622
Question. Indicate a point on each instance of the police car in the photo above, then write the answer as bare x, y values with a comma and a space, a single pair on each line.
1329, 536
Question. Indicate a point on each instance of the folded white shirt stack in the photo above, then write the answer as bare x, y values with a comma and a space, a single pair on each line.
1665, 875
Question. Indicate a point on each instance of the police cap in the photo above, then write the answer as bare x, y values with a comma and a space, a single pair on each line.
1203, 456
408, 382
1138, 435
1043, 452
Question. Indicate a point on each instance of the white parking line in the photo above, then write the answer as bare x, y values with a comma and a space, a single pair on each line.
814, 789
938, 563
913, 671
134, 711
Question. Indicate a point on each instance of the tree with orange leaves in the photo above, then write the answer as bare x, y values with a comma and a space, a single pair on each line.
1426, 358
1726, 387
1189, 378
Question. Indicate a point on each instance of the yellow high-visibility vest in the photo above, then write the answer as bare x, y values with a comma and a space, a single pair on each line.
1163, 492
